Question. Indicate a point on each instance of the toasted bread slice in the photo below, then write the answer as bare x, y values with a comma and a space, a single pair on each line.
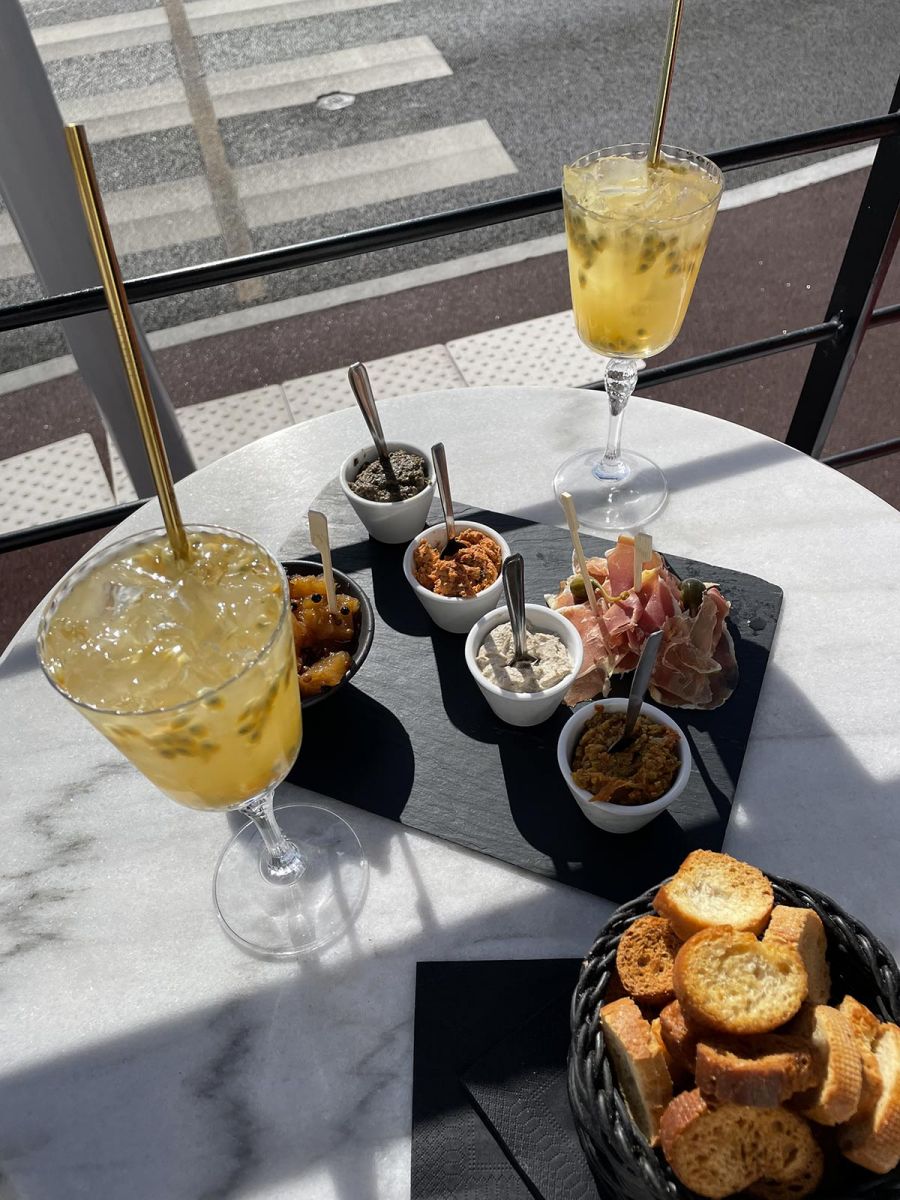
836, 1098
873, 1140
679, 1038
645, 958
639, 1063
797, 1182
762, 1071
718, 1151
727, 980
803, 929
711, 889
866, 1030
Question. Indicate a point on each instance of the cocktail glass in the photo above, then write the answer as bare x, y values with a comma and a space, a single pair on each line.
190, 672
635, 236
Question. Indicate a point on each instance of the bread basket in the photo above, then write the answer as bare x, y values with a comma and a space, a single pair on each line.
622, 1162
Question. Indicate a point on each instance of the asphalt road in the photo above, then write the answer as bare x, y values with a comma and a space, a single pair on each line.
549, 81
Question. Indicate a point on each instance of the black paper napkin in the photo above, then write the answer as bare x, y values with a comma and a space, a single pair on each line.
519, 1088
490, 1113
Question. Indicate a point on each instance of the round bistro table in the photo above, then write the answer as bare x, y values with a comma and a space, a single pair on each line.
146, 1056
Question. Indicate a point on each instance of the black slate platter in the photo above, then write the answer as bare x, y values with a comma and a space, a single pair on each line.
413, 739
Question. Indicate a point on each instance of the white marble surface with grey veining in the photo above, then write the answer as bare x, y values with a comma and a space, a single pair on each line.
145, 1056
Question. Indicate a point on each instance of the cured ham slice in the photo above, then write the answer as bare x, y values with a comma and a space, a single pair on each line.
696, 665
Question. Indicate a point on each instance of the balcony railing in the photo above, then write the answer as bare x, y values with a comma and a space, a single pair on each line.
837, 338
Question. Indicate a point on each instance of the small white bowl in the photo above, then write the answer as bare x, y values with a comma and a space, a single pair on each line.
525, 708
456, 614
388, 520
619, 818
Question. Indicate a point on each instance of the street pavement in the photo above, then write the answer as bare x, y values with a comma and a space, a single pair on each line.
454, 102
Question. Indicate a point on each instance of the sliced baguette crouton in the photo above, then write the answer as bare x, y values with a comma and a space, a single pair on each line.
803, 929
797, 1182
645, 958
729, 981
836, 1098
679, 1038
639, 1064
873, 1140
866, 1030
711, 889
718, 1151
763, 1071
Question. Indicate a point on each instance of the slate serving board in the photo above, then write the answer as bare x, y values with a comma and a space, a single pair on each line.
413, 739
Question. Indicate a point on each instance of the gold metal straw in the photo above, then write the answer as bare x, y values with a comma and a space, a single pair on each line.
123, 323
665, 82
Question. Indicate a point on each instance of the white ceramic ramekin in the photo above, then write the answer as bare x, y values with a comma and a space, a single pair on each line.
456, 614
619, 818
394, 520
525, 708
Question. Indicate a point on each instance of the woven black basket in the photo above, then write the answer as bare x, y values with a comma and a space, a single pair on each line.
623, 1164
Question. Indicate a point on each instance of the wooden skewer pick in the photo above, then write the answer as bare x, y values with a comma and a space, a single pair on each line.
643, 551
318, 534
572, 518
126, 335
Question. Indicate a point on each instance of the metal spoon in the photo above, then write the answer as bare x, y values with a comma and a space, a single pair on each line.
443, 481
365, 398
639, 682
514, 586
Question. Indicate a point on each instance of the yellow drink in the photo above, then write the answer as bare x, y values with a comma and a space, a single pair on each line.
188, 669
636, 238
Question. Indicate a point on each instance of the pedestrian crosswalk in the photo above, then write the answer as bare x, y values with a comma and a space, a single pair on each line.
155, 215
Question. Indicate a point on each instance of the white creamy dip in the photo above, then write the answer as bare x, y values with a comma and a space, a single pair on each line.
552, 661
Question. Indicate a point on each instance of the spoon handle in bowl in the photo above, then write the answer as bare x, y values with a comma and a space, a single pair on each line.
514, 587
443, 481
640, 680
365, 398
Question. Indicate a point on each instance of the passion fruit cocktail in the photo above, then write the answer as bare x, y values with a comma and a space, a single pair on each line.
188, 667
636, 235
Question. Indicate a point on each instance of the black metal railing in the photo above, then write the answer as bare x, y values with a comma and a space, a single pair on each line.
836, 339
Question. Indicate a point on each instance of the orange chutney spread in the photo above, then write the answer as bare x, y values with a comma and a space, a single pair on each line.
474, 567
640, 772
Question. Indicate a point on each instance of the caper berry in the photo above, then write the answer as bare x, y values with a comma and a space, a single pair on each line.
692, 593
578, 590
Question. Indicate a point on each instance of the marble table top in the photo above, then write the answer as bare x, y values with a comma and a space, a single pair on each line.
145, 1055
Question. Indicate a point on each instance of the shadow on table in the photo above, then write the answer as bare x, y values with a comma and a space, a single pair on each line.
364, 755
723, 464
197, 1105
20, 659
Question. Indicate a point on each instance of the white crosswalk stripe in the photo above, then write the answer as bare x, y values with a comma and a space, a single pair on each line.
120, 31
294, 188
260, 88
179, 211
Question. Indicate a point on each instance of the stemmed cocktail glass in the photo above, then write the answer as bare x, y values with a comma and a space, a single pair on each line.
188, 667
635, 235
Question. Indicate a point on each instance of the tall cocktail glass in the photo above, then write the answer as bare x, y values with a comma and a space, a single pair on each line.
188, 668
635, 236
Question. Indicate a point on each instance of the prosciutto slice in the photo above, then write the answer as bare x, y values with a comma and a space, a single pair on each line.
696, 665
